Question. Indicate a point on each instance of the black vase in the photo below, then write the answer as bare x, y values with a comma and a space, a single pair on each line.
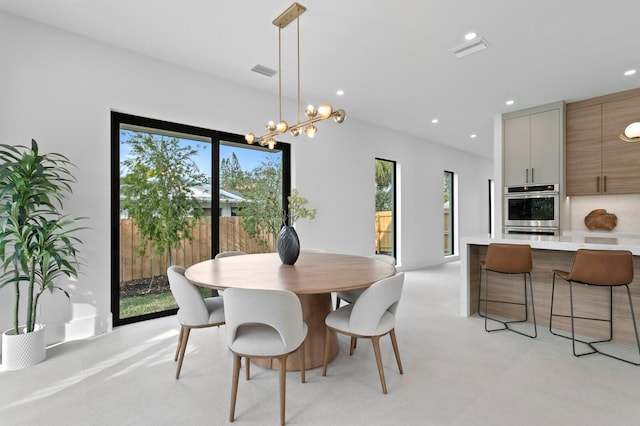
288, 245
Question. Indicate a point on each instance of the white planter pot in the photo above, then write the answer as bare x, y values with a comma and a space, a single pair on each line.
24, 349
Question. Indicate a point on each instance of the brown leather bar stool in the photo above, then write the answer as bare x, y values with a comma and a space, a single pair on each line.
513, 259
603, 268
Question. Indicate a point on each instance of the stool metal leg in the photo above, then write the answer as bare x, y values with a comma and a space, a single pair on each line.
506, 323
609, 320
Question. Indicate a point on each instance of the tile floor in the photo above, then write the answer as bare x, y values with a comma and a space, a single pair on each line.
455, 374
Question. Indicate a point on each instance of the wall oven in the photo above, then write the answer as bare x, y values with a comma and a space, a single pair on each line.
532, 210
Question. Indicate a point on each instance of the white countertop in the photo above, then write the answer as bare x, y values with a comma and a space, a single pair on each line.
565, 242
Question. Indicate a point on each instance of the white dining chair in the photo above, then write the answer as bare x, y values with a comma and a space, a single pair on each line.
194, 311
371, 316
311, 250
350, 296
230, 253
226, 254
264, 324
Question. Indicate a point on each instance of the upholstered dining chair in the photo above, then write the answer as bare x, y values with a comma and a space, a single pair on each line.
350, 296
311, 250
263, 324
222, 254
230, 253
194, 311
371, 316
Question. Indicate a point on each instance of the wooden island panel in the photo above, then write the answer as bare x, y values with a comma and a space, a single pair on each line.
589, 301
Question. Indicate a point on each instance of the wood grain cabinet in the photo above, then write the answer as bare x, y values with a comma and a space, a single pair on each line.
532, 146
597, 161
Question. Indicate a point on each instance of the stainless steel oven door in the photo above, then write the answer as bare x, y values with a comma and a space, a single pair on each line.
532, 209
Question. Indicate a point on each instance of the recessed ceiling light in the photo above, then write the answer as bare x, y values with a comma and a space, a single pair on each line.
434, 121
470, 36
473, 136
510, 102
629, 72
340, 92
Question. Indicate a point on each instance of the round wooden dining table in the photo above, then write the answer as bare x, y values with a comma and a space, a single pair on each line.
313, 278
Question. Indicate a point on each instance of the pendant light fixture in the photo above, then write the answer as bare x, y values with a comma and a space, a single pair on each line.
313, 115
631, 133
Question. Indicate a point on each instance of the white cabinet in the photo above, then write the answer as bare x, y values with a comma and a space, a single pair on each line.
532, 146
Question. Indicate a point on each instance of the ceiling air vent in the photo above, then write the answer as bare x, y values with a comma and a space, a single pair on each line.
469, 47
261, 69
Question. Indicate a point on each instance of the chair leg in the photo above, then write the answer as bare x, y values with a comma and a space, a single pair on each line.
394, 343
337, 302
183, 348
533, 306
352, 345
179, 343
247, 367
327, 341
480, 293
302, 367
375, 340
283, 386
635, 326
234, 386
553, 291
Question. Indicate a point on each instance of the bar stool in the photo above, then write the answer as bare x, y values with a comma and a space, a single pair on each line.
603, 268
512, 259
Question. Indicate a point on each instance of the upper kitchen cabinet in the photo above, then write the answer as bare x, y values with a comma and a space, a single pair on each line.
533, 145
597, 161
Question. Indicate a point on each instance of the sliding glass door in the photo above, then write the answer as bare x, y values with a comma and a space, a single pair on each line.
170, 182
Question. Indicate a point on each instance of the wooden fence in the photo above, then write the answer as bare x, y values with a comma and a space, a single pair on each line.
384, 232
232, 237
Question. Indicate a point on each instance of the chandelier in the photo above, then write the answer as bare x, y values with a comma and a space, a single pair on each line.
313, 115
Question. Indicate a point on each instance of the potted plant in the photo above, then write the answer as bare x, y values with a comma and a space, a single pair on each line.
37, 243
288, 241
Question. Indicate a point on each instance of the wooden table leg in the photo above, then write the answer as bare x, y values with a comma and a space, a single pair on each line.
315, 308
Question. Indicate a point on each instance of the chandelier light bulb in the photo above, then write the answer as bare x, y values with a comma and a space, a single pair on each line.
310, 130
325, 111
282, 126
310, 112
271, 126
271, 143
250, 138
295, 131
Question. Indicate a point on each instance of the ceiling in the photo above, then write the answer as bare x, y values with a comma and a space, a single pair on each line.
391, 58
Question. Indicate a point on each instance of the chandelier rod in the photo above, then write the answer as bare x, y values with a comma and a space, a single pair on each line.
298, 28
280, 73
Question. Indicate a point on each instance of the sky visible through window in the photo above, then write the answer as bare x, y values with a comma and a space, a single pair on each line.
248, 157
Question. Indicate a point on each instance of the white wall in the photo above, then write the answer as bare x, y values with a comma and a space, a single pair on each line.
59, 89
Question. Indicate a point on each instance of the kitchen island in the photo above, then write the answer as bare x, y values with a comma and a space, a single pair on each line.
553, 252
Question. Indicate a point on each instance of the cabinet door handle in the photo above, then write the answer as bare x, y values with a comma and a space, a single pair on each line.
532, 178
526, 176
605, 185
598, 184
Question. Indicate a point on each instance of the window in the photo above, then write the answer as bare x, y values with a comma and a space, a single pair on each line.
165, 189
449, 212
385, 220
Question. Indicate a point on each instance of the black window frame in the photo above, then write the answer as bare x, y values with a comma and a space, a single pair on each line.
216, 137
